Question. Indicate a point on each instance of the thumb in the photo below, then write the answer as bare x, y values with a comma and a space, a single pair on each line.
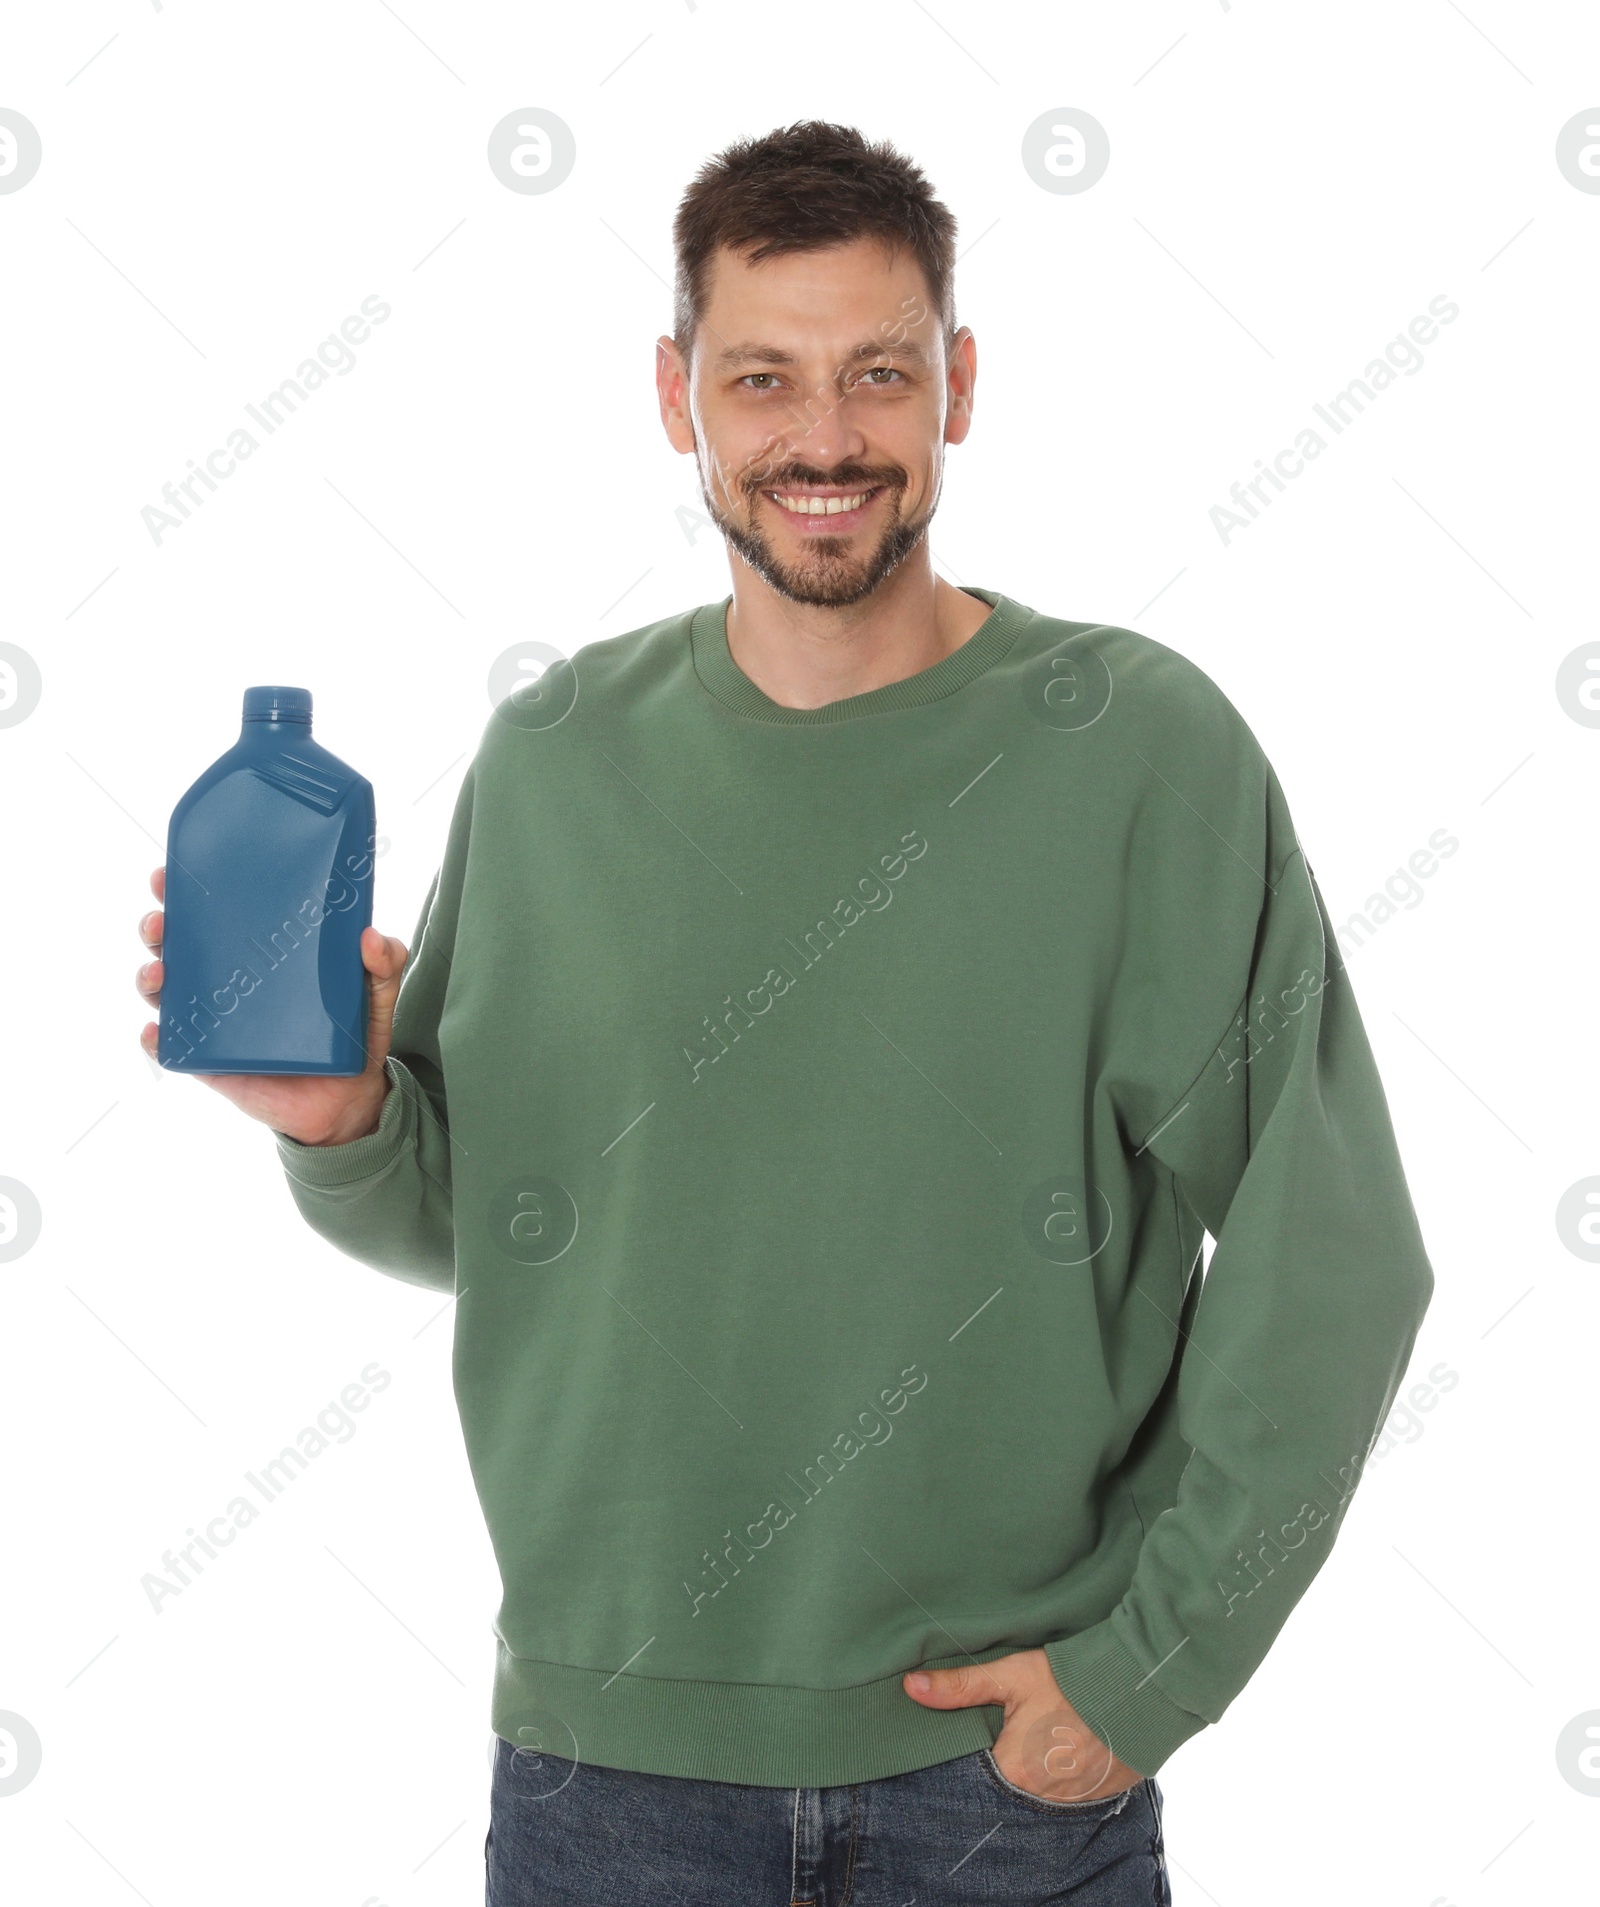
384, 958
968, 1686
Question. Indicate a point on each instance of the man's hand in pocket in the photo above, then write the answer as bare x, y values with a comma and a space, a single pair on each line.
1044, 1746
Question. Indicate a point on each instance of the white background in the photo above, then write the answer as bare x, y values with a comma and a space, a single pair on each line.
1289, 186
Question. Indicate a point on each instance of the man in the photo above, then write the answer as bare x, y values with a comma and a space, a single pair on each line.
839, 1015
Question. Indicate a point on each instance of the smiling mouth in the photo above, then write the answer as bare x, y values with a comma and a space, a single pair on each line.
833, 509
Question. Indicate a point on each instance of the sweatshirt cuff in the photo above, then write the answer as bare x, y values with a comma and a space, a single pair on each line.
327, 1166
1116, 1697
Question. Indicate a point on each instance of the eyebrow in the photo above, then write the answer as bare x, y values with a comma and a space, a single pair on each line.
907, 350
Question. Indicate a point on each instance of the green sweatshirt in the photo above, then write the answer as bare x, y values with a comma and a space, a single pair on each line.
816, 1114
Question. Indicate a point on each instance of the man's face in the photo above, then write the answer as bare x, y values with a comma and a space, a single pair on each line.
818, 403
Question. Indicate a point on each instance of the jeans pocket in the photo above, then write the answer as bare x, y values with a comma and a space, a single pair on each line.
1105, 1804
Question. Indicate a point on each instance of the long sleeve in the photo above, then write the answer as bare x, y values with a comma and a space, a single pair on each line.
386, 1199
1289, 1362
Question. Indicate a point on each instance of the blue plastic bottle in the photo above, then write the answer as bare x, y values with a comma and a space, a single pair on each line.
269, 885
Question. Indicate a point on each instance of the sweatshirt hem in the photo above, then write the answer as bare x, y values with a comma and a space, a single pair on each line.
761, 1734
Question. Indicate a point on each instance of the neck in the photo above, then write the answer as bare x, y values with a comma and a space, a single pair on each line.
805, 655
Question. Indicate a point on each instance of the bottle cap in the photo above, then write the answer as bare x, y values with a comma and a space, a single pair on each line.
277, 705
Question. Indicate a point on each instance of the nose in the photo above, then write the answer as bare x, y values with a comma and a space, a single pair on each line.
823, 430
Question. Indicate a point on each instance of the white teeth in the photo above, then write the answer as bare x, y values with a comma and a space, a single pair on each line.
819, 506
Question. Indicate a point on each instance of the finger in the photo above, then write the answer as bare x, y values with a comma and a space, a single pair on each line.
148, 982
150, 926
382, 955
965, 1687
385, 959
158, 883
150, 1037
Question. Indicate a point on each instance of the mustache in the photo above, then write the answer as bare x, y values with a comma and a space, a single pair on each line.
805, 477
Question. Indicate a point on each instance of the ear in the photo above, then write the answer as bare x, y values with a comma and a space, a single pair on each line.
672, 390
961, 377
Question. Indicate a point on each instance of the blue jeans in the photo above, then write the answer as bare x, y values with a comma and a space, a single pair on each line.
567, 1834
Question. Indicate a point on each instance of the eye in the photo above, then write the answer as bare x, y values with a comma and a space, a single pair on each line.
880, 374
752, 379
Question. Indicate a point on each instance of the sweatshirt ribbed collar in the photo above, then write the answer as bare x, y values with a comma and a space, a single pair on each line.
722, 676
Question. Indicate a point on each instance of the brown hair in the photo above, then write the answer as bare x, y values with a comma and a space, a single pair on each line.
803, 188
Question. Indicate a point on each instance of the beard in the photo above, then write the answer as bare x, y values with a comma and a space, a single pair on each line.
831, 573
